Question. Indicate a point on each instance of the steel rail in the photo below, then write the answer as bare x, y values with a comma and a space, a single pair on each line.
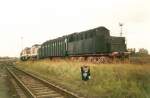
56, 88
21, 84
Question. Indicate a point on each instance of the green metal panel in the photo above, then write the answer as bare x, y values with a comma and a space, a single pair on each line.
80, 46
48, 48
45, 50
59, 47
56, 47
100, 45
63, 47
117, 44
70, 48
102, 31
39, 53
42, 51
88, 46
55, 51
52, 48
73, 51
65, 42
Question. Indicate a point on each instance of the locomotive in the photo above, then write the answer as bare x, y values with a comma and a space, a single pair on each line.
29, 53
95, 45
25, 54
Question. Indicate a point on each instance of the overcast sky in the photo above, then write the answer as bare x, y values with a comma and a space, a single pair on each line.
40, 20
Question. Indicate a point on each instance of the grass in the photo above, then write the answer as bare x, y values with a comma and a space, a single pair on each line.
107, 80
140, 60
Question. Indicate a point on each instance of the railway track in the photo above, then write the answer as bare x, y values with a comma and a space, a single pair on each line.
35, 87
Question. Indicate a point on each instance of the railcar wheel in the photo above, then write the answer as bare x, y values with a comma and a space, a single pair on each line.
102, 60
81, 59
90, 59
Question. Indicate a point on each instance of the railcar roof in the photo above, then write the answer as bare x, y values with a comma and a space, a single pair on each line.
100, 27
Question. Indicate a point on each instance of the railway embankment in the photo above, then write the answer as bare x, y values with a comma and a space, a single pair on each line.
107, 80
4, 89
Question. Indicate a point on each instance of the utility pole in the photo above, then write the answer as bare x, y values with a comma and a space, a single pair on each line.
21, 43
121, 25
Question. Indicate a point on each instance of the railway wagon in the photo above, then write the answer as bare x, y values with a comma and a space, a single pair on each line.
93, 45
93, 41
53, 48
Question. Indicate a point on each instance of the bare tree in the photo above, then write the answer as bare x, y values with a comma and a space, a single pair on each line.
142, 52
